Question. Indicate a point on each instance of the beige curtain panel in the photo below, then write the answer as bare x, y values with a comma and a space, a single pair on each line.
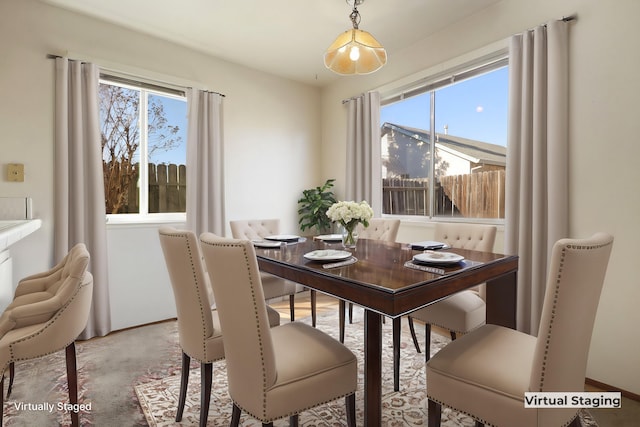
537, 160
205, 183
79, 213
363, 150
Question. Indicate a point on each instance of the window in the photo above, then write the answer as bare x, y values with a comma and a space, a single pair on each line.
143, 134
444, 145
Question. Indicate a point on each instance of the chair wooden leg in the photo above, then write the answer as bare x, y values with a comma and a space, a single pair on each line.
235, 416
1, 399
396, 353
413, 334
292, 310
427, 342
72, 380
453, 335
12, 372
267, 424
479, 424
341, 308
293, 420
184, 382
312, 294
350, 403
434, 413
206, 377
350, 313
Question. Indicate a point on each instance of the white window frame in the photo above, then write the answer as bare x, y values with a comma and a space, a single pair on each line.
144, 217
432, 79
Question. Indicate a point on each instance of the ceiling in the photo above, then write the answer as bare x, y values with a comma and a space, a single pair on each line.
282, 37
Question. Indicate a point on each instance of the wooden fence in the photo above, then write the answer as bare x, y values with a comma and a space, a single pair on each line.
405, 196
476, 195
167, 189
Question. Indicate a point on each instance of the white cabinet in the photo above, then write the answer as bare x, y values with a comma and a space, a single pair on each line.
6, 278
15, 225
11, 231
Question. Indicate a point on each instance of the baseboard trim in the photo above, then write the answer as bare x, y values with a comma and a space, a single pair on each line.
607, 387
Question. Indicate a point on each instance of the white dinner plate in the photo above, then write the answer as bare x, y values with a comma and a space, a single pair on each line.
283, 238
439, 257
266, 243
327, 255
330, 237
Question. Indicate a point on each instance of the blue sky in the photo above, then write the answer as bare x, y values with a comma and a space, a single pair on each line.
474, 109
176, 114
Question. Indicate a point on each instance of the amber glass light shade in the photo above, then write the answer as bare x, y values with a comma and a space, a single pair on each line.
355, 52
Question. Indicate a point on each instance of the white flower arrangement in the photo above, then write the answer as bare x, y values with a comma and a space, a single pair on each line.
349, 214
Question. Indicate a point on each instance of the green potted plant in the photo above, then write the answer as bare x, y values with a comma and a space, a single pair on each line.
313, 205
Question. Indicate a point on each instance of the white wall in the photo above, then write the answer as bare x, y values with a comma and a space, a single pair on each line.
604, 129
271, 128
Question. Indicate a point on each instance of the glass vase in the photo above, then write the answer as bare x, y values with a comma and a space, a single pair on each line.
349, 237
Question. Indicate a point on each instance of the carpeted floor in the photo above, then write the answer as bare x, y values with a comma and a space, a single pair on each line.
131, 378
405, 408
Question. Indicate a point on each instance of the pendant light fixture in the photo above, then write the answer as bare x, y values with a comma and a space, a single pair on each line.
355, 51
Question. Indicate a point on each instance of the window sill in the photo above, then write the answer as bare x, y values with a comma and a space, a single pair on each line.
120, 220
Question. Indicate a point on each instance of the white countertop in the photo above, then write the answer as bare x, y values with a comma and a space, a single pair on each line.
13, 230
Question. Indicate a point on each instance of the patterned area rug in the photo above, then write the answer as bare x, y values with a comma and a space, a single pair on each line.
408, 407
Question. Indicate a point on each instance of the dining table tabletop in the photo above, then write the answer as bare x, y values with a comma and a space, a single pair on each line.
386, 280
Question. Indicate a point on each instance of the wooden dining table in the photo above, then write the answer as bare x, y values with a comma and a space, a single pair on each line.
384, 284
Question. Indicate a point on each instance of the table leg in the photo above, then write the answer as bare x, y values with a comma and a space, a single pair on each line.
502, 301
312, 294
341, 308
397, 328
372, 369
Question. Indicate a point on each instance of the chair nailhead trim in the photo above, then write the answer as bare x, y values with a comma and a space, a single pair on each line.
264, 418
40, 331
556, 293
485, 422
203, 323
548, 338
256, 318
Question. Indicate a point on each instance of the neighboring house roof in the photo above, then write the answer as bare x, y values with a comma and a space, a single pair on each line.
472, 150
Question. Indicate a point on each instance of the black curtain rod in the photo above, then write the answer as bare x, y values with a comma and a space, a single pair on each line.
569, 18
107, 75
353, 98
212, 91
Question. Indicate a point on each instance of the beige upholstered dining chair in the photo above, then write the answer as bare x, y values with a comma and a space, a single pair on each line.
272, 373
379, 229
486, 373
466, 310
199, 329
274, 286
47, 314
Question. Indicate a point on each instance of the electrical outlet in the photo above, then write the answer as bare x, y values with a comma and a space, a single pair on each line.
15, 172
